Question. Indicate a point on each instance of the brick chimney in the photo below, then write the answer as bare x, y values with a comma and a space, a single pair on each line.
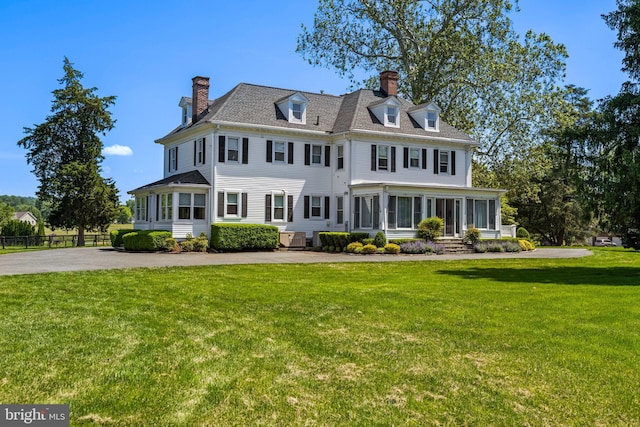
200, 99
389, 82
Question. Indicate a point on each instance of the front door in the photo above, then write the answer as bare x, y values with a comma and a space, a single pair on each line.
450, 211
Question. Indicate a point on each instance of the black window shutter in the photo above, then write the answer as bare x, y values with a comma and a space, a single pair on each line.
176, 159
267, 207
374, 157
376, 211
220, 203
290, 208
356, 212
327, 213
290, 153
424, 158
204, 150
327, 155
307, 154
244, 205
195, 152
406, 157
306, 206
393, 159
169, 161
245, 151
221, 153
453, 162
269, 151
392, 212
436, 165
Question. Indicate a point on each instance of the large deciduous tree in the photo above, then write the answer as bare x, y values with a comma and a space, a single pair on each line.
614, 181
66, 154
556, 212
462, 54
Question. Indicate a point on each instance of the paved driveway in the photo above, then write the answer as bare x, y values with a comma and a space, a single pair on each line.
96, 258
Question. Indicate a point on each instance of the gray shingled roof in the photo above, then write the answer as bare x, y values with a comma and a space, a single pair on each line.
186, 178
256, 105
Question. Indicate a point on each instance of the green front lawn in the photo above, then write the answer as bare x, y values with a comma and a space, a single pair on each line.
487, 342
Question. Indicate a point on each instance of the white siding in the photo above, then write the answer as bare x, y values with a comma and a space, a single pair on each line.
362, 172
259, 178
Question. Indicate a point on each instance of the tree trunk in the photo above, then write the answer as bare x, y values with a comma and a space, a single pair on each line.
81, 236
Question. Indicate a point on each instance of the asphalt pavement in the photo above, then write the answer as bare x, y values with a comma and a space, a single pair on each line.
106, 258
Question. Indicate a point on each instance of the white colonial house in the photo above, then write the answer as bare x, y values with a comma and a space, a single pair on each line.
306, 162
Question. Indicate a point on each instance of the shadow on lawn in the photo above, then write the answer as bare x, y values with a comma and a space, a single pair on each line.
611, 276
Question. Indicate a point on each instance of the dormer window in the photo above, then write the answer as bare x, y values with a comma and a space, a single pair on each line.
294, 108
387, 111
432, 120
392, 116
427, 116
185, 104
296, 111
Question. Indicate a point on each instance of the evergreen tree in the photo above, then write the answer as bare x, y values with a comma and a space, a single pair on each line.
613, 182
66, 154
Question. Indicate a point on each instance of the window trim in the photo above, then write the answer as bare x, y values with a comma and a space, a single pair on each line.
436, 121
447, 170
340, 156
491, 212
228, 149
173, 159
199, 152
339, 210
358, 211
238, 194
392, 111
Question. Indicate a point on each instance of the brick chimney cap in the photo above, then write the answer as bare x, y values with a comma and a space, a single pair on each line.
200, 80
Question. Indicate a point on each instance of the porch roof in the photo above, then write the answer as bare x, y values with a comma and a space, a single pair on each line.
187, 178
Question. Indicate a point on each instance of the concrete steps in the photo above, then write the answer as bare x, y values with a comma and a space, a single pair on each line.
454, 246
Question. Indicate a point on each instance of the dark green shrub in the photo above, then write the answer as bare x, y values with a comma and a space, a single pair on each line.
145, 240
13, 227
239, 237
367, 241
430, 228
334, 238
522, 233
116, 236
380, 240
471, 236
358, 236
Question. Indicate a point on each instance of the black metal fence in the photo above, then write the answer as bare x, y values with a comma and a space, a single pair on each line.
53, 240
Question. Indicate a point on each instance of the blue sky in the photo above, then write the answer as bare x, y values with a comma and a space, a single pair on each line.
146, 52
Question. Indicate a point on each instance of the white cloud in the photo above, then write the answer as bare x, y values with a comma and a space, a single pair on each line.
117, 150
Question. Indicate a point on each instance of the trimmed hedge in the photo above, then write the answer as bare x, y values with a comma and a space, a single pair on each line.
334, 238
145, 240
240, 237
116, 236
358, 236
